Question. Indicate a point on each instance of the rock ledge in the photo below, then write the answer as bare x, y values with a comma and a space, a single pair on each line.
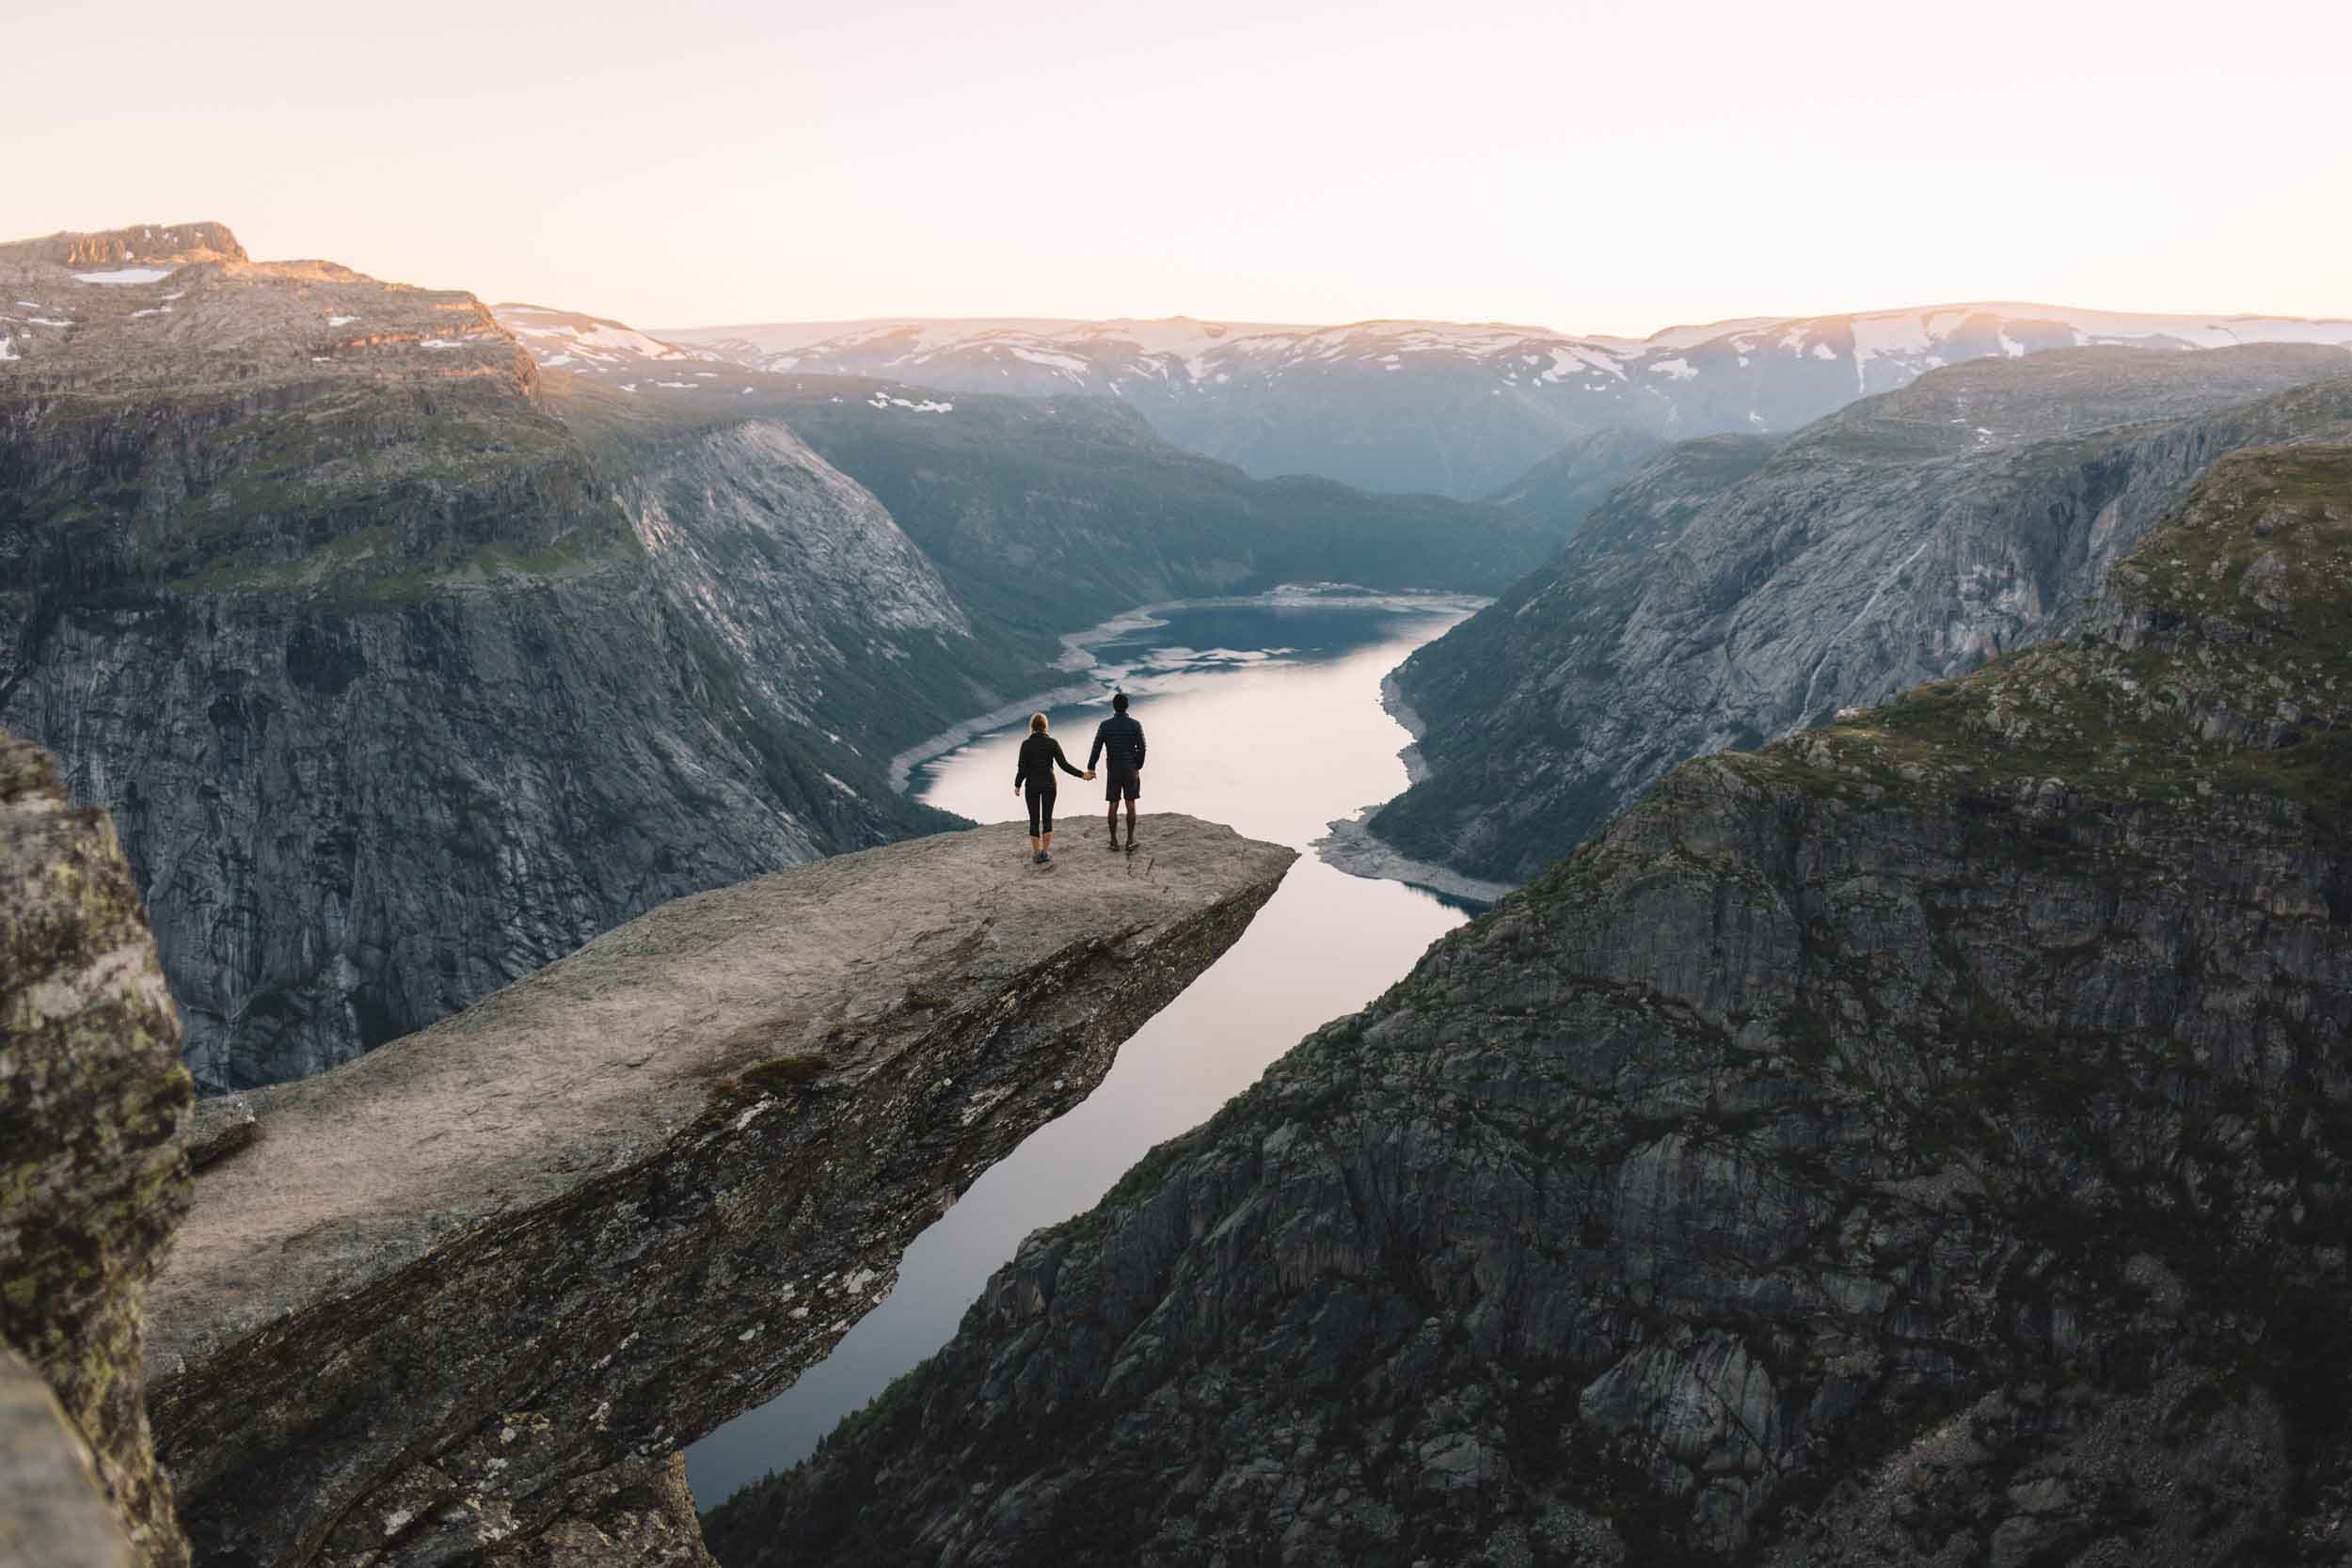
482, 1280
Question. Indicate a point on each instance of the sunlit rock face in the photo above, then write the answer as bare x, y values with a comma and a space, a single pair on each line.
463, 1299
92, 1183
1927, 1139
1738, 588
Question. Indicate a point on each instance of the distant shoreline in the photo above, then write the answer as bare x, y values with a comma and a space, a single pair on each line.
1076, 654
1352, 846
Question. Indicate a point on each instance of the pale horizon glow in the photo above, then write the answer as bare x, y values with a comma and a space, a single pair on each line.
1588, 167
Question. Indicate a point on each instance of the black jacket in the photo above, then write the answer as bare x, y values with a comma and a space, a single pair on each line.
1121, 736
1040, 755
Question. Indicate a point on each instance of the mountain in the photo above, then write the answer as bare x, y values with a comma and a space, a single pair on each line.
1461, 409
593, 345
1564, 488
1922, 1141
405, 666
1048, 514
1035, 509
397, 687
1730, 592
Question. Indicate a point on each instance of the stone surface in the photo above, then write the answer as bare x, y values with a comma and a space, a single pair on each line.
1926, 1140
481, 1284
54, 1514
1736, 590
652, 1525
92, 1097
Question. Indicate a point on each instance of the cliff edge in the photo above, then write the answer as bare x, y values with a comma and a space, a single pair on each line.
470, 1292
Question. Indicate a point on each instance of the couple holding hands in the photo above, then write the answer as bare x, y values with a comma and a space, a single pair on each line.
1119, 735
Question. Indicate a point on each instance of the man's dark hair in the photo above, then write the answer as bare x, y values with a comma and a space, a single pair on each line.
1118, 702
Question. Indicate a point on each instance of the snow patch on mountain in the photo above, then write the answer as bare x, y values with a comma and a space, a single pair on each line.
124, 275
1278, 398
591, 345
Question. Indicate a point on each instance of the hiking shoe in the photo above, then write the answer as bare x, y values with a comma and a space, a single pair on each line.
1045, 857
1037, 856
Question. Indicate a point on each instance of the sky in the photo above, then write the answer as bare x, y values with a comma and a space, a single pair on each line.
1602, 168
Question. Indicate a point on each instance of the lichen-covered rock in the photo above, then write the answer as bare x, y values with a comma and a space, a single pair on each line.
651, 1525
1927, 1140
92, 1099
471, 1292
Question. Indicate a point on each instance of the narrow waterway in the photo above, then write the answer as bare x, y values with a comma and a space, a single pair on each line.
1264, 714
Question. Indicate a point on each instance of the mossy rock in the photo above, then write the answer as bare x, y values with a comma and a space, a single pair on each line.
93, 1178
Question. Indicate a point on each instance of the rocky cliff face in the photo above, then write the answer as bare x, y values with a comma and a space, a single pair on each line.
466, 1296
1567, 486
396, 690
92, 1099
800, 587
1727, 594
1925, 1140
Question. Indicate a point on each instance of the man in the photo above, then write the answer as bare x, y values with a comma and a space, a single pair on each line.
1123, 737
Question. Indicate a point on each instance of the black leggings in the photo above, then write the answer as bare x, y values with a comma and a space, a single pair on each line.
1041, 813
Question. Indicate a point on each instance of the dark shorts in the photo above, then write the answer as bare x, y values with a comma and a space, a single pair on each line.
1123, 785
1040, 812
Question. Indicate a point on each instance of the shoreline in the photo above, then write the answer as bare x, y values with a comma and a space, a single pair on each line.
1393, 702
1352, 848
1075, 655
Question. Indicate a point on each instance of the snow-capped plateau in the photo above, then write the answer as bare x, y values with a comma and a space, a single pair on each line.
1460, 408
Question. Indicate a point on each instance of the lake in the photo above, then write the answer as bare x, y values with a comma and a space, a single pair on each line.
1264, 714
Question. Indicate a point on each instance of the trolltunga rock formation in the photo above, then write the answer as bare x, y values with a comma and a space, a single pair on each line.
465, 1298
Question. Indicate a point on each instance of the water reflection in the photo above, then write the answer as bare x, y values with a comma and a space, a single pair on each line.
1263, 716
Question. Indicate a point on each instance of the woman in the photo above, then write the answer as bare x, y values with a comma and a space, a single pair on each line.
1040, 755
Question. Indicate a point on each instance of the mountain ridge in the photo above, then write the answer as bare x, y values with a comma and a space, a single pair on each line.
1712, 603
1465, 409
